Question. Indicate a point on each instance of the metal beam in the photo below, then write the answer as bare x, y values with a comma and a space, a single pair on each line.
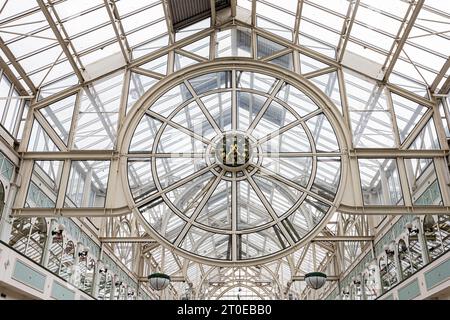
213, 13
233, 8
440, 76
342, 238
70, 212
118, 29
394, 153
394, 210
392, 59
127, 239
11, 77
60, 39
17, 66
445, 87
75, 155
347, 29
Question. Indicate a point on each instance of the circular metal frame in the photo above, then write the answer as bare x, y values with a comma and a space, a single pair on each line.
325, 106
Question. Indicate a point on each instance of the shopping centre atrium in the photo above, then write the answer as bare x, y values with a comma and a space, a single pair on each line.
224, 149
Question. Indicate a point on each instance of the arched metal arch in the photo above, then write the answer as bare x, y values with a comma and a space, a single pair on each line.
137, 111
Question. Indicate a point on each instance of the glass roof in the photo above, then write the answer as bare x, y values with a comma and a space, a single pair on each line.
215, 165
47, 41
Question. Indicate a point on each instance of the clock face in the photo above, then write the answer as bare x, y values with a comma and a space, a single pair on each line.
233, 150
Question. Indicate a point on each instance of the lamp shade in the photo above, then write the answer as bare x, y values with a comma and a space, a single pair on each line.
315, 280
159, 281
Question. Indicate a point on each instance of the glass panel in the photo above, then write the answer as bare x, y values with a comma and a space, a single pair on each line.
176, 141
329, 84
211, 245
380, 182
266, 47
256, 81
158, 65
217, 210
140, 179
422, 181
306, 217
211, 81
408, 114
139, 84
219, 106
187, 197
248, 107
427, 138
261, 243
98, 114
182, 62
87, 185
296, 99
286, 61
327, 178
59, 115
193, 118
162, 219
234, 42
171, 170
44, 185
40, 140
295, 169
274, 118
250, 210
170, 100
323, 133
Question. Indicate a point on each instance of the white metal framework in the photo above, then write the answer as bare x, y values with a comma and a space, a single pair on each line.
116, 124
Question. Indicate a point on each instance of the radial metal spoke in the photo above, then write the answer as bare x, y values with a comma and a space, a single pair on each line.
203, 108
288, 127
300, 154
179, 127
269, 208
294, 185
166, 155
175, 185
210, 188
266, 105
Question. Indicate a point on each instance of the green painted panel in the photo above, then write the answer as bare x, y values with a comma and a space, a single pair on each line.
409, 291
60, 292
28, 276
389, 297
438, 274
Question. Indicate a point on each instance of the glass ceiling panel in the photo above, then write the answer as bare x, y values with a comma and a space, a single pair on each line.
426, 49
285, 19
59, 115
98, 114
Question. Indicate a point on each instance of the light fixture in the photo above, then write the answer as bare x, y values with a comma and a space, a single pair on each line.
58, 234
428, 224
83, 254
159, 281
388, 249
410, 227
356, 281
315, 280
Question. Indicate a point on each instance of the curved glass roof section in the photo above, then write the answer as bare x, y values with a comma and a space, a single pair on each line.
238, 169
